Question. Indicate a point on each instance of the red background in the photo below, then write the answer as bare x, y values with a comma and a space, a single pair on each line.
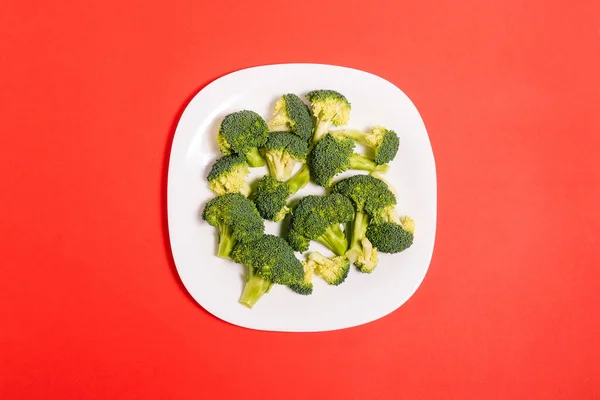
90, 303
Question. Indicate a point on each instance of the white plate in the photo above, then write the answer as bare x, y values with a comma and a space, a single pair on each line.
217, 284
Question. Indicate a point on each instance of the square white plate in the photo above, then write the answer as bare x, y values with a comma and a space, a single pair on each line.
216, 284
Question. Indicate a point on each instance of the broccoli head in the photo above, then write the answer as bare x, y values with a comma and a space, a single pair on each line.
282, 151
292, 114
228, 175
269, 259
305, 286
271, 196
318, 218
368, 195
333, 270
243, 132
332, 156
383, 142
236, 217
390, 237
329, 108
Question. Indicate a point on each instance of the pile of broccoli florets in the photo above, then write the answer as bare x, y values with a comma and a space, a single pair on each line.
355, 218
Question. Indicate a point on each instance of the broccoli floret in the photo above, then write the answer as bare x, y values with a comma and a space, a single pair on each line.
228, 175
269, 259
329, 108
305, 286
390, 237
236, 217
271, 196
382, 141
318, 218
292, 114
282, 152
333, 270
367, 194
243, 132
332, 156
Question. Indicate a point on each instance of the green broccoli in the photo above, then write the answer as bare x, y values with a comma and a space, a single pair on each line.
236, 217
383, 142
318, 218
333, 270
390, 237
332, 156
385, 213
305, 286
389, 185
268, 260
291, 114
282, 152
368, 195
329, 108
243, 132
228, 175
271, 196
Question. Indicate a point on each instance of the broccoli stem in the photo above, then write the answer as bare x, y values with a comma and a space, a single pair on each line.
254, 288
360, 162
358, 136
299, 180
359, 229
321, 129
276, 165
245, 189
226, 241
289, 168
334, 239
254, 159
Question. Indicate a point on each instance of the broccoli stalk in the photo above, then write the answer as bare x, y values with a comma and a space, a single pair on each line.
226, 241
361, 251
253, 157
335, 239
299, 180
360, 162
254, 288
280, 164
359, 228
322, 128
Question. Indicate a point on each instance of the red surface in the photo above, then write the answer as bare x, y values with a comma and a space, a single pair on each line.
90, 304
